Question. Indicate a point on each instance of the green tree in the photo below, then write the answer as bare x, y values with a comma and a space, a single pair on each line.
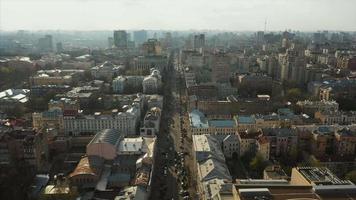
294, 94
258, 164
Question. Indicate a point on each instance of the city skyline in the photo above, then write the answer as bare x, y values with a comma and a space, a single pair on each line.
178, 15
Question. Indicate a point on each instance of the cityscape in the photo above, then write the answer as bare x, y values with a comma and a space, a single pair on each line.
149, 113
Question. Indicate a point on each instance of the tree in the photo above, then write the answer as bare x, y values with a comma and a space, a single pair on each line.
17, 111
351, 176
258, 164
294, 94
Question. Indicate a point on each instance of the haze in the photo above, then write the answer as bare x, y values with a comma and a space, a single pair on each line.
305, 15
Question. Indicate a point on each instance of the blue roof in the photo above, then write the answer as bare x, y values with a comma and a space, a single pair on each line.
246, 120
285, 111
197, 119
222, 123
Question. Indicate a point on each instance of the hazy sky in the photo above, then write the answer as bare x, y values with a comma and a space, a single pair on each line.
178, 14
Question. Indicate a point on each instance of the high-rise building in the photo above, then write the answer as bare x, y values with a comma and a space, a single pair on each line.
152, 47
45, 43
199, 41
120, 39
140, 36
110, 42
220, 65
59, 47
260, 37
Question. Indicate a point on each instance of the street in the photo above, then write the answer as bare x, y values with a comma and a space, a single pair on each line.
173, 164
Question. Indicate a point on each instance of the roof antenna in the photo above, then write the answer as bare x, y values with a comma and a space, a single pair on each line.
265, 25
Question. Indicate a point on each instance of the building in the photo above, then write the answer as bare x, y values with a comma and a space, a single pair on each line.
56, 77
52, 118
202, 91
110, 42
120, 39
345, 142
11, 98
334, 89
68, 106
125, 122
129, 84
220, 65
104, 144
82, 94
284, 118
192, 58
199, 125
231, 145
27, 145
152, 48
310, 107
209, 165
283, 141
113, 161
87, 173
245, 122
140, 36
323, 181
248, 143
189, 77
118, 84
264, 147
257, 83
59, 47
152, 83
143, 64
45, 44
336, 117
199, 41
106, 71
274, 172
59, 189
151, 122
322, 143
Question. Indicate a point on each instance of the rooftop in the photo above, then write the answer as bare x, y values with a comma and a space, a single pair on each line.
222, 123
321, 176
110, 136
198, 120
246, 120
131, 145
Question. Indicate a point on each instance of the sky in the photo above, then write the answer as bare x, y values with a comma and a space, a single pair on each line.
233, 15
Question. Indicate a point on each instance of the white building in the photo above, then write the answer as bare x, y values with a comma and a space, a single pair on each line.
124, 122
314, 106
118, 84
189, 77
154, 101
107, 70
152, 83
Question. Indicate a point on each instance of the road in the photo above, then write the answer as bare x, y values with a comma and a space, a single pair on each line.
164, 186
173, 139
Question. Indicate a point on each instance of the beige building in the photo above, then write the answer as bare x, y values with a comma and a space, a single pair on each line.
209, 166
104, 144
336, 117
199, 125
52, 118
